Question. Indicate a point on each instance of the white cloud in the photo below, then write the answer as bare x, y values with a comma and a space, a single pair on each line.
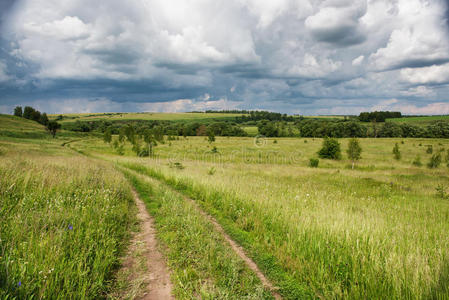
337, 22
358, 61
432, 74
418, 37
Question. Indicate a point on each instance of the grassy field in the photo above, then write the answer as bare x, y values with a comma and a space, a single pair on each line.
142, 116
64, 219
422, 120
380, 231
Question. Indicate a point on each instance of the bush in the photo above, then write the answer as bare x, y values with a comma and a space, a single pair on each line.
177, 165
417, 161
429, 149
435, 161
330, 149
145, 152
396, 152
313, 162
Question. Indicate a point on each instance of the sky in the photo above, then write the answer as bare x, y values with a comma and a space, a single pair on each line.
308, 57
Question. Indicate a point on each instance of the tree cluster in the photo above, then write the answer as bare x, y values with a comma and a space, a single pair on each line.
378, 116
32, 114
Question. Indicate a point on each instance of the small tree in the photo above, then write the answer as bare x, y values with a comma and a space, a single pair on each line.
396, 152
107, 136
201, 130
211, 136
52, 127
28, 112
330, 149
417, 161
44, 119
18, 111
435, 161
354, 150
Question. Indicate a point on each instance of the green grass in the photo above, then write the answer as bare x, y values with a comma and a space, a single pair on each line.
251, 130
379, 231
421, 120
64, 220
143, 116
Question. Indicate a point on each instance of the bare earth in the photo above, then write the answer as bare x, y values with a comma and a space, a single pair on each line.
159, 285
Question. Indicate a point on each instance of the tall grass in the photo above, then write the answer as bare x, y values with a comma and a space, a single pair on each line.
203, 265
64, 220
378, 231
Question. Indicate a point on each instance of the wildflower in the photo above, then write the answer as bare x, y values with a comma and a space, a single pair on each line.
19, 284
70, 227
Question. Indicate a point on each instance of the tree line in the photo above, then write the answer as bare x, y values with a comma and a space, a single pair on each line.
378, 116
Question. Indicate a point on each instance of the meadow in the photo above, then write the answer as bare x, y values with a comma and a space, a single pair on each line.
378, 231
420, 120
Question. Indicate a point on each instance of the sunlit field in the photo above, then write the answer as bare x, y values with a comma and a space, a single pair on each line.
378, 231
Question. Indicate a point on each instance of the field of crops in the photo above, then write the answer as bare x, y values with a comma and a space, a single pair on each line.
379, 231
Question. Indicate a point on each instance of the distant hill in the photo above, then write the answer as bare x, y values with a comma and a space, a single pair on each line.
63, 118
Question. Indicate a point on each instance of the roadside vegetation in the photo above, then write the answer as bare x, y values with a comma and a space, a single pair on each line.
64, 220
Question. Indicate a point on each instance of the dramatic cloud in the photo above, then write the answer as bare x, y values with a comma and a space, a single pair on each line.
296, 56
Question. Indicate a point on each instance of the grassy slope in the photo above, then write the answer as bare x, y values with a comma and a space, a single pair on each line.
378, 231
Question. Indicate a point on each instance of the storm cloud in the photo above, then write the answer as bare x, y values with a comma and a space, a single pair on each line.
294, 56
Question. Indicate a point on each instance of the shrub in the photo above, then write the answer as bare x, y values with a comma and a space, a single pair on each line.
177, 165
313, 162
417, 161
330, 149
145, 152
429, 149
120, 150
214, 150
396, 152
435, 161
211, 171
441, 191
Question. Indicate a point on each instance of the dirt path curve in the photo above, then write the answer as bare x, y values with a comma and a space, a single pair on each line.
236, 247
159, 285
